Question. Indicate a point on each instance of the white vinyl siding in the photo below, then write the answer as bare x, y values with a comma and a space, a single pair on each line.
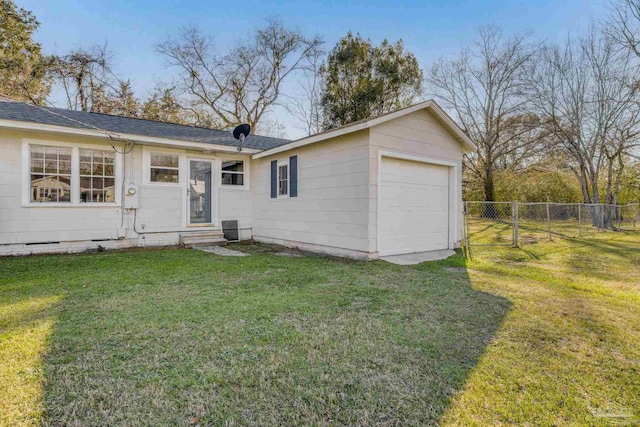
333, 191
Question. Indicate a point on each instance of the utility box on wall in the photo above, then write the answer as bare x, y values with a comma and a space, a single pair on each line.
131, 196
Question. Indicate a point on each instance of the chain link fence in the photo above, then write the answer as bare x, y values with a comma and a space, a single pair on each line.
515, 223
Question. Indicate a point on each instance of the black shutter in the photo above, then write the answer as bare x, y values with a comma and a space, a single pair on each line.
274, 179
293, 176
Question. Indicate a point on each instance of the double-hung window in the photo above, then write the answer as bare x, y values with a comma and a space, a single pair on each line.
283, 180
232, 172
62, 174
50, 174
97, 176
165, 168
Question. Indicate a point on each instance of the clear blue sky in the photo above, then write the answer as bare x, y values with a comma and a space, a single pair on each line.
430, 29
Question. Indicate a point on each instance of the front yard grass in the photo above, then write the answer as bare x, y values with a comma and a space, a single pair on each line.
547, 335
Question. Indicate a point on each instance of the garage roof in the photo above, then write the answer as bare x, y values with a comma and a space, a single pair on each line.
438, 112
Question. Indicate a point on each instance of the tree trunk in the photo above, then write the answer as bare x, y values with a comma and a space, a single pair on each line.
584, 186
489, 195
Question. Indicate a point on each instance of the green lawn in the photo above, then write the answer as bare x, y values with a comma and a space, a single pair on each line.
545, 335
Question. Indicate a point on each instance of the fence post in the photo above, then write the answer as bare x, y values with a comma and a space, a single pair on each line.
579, 219
619, 217
466, 223
515, 224
601, 222
549, 221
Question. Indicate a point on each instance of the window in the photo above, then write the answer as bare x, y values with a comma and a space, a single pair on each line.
97, 176
164, 168
66, 175
233, 172
283, 180
50, 174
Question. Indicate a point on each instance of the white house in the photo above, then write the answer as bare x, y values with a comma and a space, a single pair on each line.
72, 181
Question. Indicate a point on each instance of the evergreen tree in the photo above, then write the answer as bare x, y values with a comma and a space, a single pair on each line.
23, 69
362, 80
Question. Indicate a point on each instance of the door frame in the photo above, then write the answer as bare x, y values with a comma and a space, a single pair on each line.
453, 190
214, 192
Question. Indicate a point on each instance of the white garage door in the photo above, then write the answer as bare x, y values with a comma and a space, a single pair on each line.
413, 213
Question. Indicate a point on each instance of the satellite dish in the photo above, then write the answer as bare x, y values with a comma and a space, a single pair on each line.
240, 133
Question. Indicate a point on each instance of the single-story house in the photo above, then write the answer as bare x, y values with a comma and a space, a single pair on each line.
72, 181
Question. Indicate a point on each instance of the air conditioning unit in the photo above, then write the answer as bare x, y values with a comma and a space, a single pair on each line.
231, 231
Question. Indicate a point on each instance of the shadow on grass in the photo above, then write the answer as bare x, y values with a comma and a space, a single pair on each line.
178, 337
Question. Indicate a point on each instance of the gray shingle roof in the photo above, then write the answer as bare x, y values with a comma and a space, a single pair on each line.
13, 110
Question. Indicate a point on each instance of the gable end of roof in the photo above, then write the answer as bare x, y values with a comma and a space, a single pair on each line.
437, 111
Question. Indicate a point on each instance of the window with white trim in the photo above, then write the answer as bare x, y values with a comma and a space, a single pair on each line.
97, 176
50, 174
283, 180
164, 168
232, 172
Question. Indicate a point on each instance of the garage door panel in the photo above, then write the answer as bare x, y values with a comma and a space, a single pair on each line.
433, 199
413, 209
407, 172
412, 223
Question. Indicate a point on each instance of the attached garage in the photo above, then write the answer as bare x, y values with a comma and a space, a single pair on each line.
385, 186
413, 207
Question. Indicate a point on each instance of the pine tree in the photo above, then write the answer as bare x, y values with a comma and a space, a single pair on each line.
362, 80
23, 69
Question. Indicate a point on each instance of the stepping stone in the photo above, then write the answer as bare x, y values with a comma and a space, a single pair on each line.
219, 250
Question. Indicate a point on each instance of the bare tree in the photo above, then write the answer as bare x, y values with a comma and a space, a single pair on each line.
272, 128
244, 84
307, 105
86, 77
624, 25
485, 89
587, 92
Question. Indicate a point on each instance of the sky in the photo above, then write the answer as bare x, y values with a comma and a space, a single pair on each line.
431, 29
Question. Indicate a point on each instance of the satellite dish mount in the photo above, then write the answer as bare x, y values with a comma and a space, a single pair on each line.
240, 133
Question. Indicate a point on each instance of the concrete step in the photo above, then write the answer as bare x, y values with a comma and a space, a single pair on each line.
209, 237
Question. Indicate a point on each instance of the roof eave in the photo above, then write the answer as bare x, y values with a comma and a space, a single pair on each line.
146, 140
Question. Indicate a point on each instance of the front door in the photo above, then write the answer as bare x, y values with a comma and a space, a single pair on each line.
199, 191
